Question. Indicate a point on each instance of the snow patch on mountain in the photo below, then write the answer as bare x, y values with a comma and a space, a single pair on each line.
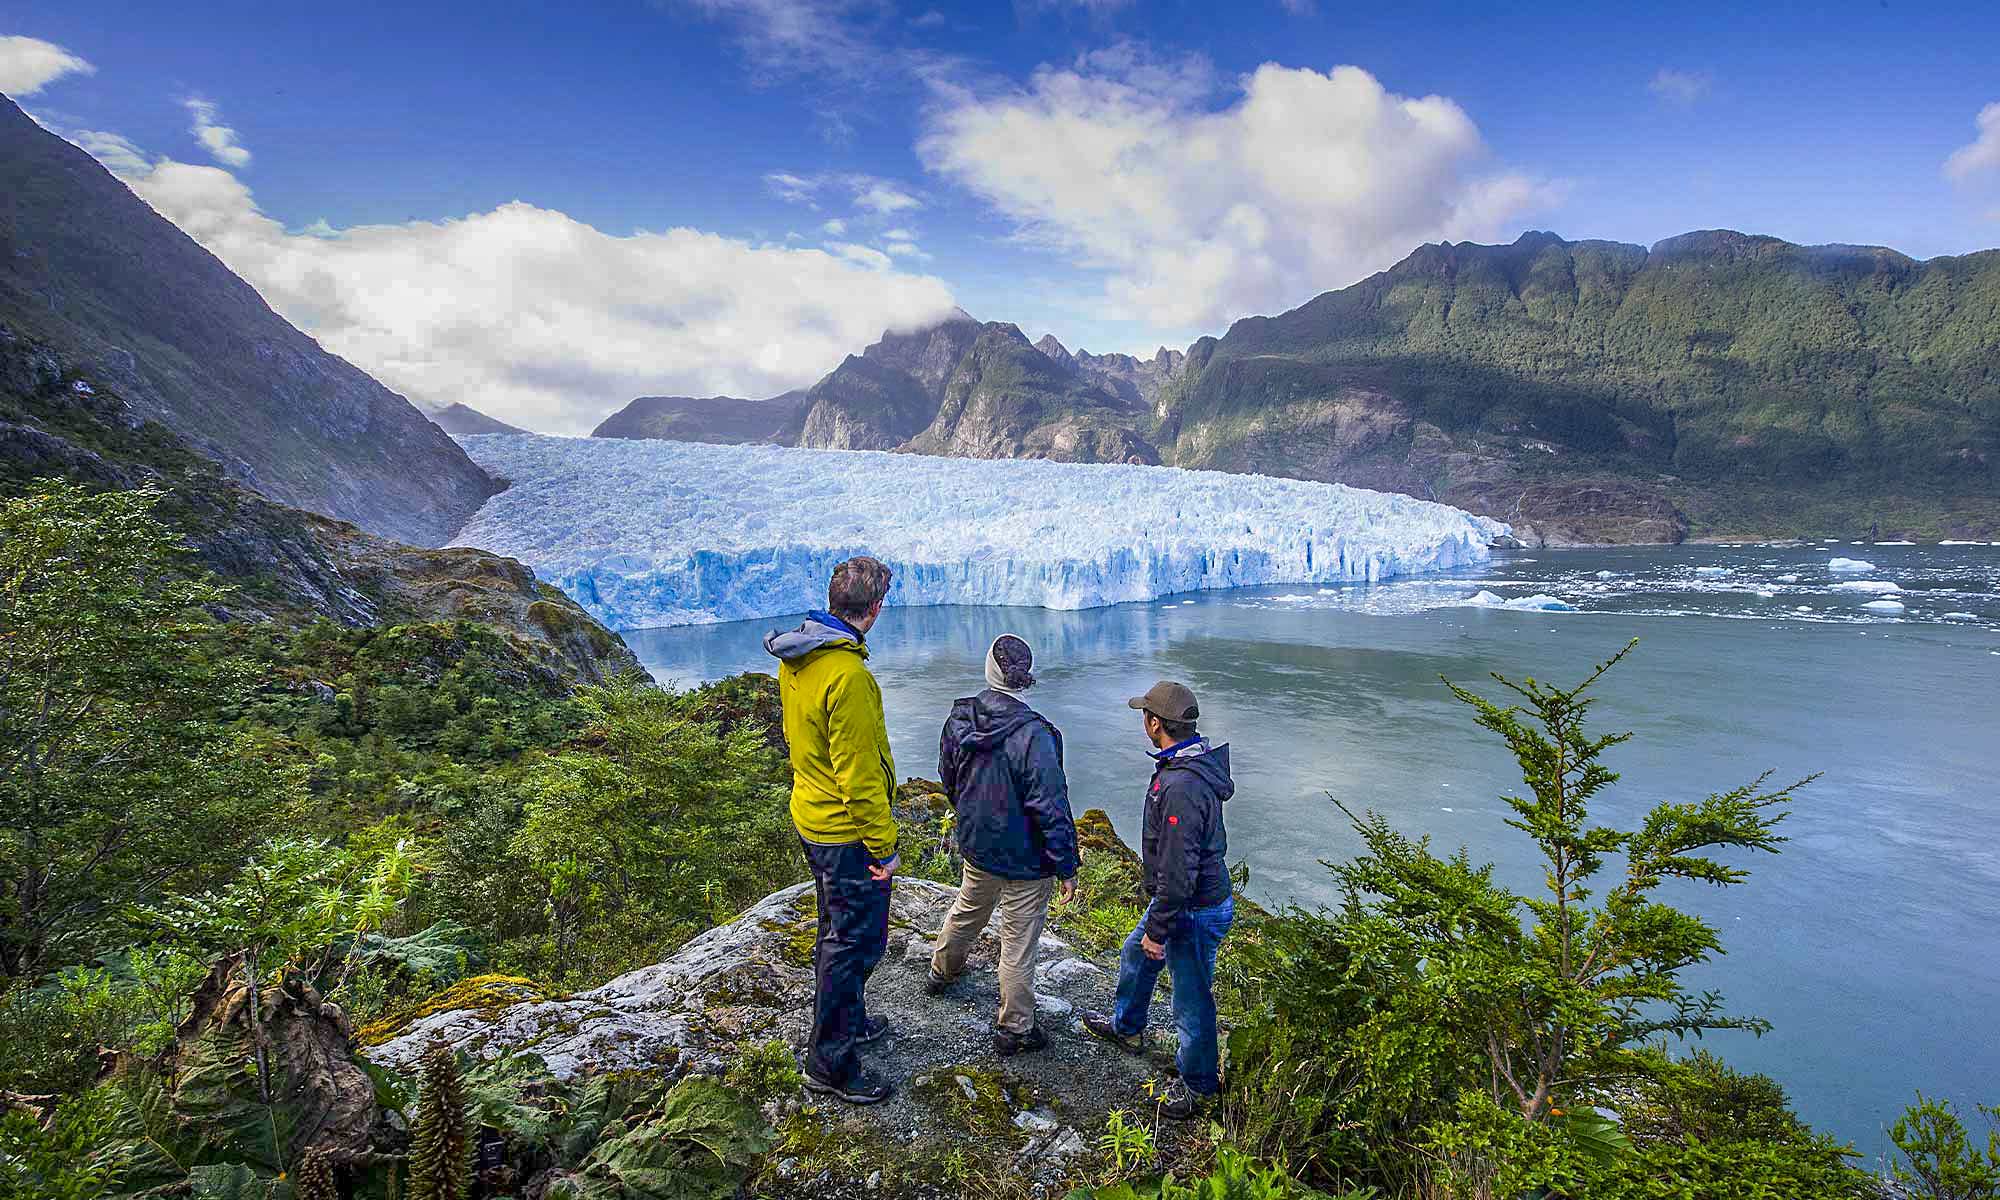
655, 533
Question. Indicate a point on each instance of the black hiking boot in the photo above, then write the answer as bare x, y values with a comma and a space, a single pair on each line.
1007, 1043
1099, 1025
1179, 1102
865, 1088
876, 1029
937, 985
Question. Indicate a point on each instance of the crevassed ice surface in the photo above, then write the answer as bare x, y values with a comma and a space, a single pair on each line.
653, 533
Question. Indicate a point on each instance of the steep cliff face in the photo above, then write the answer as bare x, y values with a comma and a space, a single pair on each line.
287, 565
88, 269
1006, 398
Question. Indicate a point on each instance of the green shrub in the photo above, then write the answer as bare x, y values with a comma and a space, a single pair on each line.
1936, 1157
1437, 1030
765, 1070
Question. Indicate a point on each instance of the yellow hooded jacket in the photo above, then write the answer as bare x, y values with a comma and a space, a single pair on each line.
842, 773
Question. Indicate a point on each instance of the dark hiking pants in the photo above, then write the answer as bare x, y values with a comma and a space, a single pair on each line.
853, 934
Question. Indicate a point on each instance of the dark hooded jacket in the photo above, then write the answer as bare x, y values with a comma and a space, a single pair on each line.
1002, 766
1184, 844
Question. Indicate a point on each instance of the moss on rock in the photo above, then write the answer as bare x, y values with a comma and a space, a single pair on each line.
486, 995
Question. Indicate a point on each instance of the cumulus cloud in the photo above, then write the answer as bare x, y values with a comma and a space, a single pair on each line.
1679, 87
27, 65
1981, 153
1195, 214
215, 137
535, 317
834, 228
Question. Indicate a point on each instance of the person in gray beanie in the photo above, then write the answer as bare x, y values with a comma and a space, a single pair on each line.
1002, 766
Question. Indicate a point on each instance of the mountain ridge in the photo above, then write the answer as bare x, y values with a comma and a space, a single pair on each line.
88, 268
1713, 384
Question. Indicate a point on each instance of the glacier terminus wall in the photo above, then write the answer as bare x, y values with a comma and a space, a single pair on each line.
654, 533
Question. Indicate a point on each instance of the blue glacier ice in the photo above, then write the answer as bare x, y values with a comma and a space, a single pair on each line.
653, 533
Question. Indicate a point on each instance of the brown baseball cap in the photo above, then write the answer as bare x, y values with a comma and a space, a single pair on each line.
1168, 701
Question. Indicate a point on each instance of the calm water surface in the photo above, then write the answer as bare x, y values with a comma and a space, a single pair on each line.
1872, 942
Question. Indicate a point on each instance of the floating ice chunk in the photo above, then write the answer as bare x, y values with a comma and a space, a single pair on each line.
1956, 542
1293, 598
1836, 564
1787, 579
653, 533
1765, 594
1537, 603
1878, 586
1609, 574
1895, 543
1803, 608
1185, 603
1711, 570
1884, 606
1960, 616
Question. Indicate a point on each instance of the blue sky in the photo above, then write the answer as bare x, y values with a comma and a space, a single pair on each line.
1122, 174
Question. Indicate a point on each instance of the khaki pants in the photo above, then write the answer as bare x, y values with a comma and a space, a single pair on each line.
1024, 907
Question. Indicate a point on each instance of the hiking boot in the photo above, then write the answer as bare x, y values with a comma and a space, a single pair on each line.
1179, 1102
1007, 1043
864, 1088
876, 1029
1099, 1025
936, 984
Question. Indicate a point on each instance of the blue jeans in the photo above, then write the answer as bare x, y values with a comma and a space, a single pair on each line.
853, 934
1191, 948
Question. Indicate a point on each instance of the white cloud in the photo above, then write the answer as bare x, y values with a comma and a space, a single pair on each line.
900, 234
27, 65
1981, 153
834, 228
866, 256
1299, 8
796, 188
1303, 182
1680, 87
218, 139
118, 153
800, 37
540, 319
881, 197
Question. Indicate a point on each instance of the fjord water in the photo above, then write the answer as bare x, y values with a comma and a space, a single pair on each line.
1872, 942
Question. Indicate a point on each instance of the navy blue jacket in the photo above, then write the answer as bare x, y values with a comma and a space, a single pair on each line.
1001, 763
1184, 843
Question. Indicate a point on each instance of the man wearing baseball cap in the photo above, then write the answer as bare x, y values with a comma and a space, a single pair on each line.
1187, 884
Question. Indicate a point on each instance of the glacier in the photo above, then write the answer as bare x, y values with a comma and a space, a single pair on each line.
652, 533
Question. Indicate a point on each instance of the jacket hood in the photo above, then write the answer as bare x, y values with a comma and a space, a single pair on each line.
818, 632
1209, 762
984, 721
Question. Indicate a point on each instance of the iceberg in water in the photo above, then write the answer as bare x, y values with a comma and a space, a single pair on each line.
1849, 564
652, 533
1878, 586
1884, 606
1540, 602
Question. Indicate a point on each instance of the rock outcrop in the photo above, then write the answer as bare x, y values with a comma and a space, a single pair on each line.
751, 981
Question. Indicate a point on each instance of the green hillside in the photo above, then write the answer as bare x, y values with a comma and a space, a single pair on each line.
1762, 387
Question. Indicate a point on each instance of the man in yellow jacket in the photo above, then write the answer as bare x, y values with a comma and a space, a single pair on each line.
842, 779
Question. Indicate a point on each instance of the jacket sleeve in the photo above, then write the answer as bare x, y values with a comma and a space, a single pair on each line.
1045, 797
1172, 882
856, 732
948, 759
